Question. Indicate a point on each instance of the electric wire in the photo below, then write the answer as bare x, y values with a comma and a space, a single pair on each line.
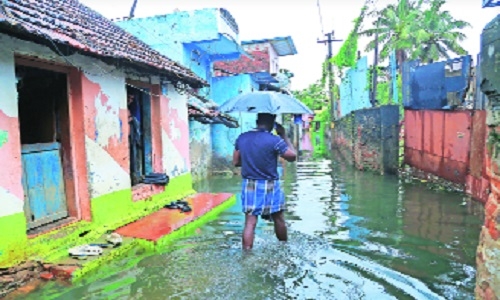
320, 17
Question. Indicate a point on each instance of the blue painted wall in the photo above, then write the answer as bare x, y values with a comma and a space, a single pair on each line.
354, 93
223, 138
434, 86
168, 33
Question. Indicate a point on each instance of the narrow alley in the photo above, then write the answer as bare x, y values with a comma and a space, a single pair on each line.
355, 235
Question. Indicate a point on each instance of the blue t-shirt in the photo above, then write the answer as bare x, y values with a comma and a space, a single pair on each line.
259, 151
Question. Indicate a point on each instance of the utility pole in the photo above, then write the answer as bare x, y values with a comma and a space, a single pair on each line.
329, 40
132, 9
375, 70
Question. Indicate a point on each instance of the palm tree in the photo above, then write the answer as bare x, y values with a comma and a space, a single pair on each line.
411, 31
394, 25
438, 34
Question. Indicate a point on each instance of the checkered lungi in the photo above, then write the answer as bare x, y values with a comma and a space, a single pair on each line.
262, 197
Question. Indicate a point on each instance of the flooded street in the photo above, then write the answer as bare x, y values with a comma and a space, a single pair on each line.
353, 235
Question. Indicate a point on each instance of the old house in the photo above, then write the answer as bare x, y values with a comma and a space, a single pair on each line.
196, 39
87, 112
207, 41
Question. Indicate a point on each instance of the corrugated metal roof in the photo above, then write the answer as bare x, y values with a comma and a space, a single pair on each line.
282, 45
491, 3
70, 23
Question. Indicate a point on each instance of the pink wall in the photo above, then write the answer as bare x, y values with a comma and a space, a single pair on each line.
10, 155
116, 145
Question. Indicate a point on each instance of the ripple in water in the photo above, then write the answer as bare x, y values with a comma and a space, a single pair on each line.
214, 267
344, 228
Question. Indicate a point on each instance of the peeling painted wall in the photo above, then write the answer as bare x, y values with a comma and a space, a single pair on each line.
101, 91
11, 190
175, 133
106, 139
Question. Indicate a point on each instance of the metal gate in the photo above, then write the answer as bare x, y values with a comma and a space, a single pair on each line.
43, 183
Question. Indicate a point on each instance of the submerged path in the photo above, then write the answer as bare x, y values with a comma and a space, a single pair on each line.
354, 235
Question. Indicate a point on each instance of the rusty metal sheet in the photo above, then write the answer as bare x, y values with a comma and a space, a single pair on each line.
454, 171
457, 136
478, 141
433, 123
413, 157
413, 129
431, 163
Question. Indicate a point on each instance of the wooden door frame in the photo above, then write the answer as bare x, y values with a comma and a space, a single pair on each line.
142, 191
73, 155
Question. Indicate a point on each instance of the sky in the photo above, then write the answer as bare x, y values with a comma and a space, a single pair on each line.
300, 19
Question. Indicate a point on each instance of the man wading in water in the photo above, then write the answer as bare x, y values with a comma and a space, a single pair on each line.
257, 153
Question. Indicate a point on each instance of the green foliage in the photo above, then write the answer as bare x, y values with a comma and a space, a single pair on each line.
347, 55
384, 95
438, 34
314, 96
416, 29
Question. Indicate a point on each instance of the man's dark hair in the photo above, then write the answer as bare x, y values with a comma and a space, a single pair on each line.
266, 119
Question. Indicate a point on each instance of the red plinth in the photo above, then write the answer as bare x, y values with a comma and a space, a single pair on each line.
164, 221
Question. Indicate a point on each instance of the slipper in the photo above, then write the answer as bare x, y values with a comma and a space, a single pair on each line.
172, 205
181, 202
186, 209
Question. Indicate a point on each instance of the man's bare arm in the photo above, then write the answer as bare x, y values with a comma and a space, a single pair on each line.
236, 158
290, 154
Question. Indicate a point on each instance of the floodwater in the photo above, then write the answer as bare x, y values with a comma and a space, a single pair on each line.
353, 235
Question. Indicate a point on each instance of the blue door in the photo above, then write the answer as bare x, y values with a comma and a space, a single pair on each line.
45, 199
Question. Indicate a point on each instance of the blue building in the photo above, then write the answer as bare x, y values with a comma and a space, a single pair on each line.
207, 42
195, 39
260, 71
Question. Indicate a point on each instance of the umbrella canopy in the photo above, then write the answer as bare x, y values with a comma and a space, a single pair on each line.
265, 102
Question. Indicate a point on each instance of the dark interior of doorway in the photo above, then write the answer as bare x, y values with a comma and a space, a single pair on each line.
44, 119
41, 94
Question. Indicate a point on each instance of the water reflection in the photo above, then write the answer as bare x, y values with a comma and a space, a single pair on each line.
353, 235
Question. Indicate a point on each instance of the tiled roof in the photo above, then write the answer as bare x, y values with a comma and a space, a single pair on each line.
259, 63
71, 23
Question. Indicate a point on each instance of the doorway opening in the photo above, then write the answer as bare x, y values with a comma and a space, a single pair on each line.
140, 138
44, 132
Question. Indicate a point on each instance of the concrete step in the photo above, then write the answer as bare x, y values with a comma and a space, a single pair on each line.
163, 222
145, 236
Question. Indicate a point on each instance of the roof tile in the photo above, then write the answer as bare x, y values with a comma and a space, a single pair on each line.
72, 23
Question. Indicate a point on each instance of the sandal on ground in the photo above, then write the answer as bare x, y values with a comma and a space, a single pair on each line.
172, 205
186, 209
